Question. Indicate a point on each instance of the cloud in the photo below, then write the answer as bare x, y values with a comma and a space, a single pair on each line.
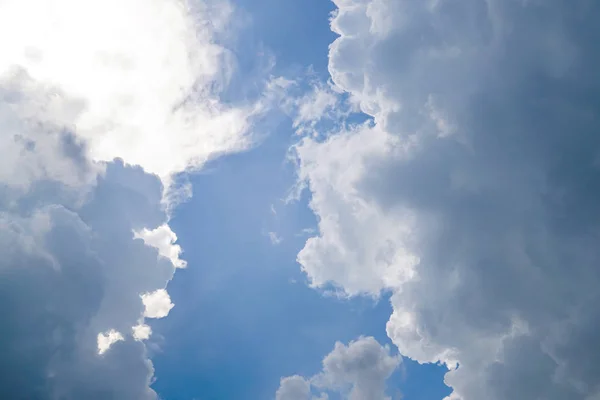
321, 102
293, 388
146, 90
314, 105
163, 239
347, 222
472, 195
141, 332
158, 304
357, 371
72, 275
30, 153
102, 104
105, 340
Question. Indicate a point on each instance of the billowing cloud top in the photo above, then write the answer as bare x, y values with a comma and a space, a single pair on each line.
473, 194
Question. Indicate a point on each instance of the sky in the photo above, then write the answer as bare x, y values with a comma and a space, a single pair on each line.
299, 200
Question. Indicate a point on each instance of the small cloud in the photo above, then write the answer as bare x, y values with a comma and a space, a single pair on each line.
157, 303
141, 332
275, 239
163, 239
105, 340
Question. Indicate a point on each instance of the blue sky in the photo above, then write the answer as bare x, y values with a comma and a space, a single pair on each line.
299, 200
254, 317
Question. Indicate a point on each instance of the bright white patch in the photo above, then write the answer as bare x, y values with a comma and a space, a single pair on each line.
163, 239
105, 340
141, 78
158, 304
141, 332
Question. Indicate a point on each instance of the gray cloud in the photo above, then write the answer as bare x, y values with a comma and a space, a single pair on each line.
70, 266
69, 274
83, 234
293, 388
474, 195
357, 371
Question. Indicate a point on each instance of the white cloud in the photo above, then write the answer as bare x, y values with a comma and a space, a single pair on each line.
105, 340
158, 303
163, 239
138, 80
357, 371
293, 388
141, 332
473, 195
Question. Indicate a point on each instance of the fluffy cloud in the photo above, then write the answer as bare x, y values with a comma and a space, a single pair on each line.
357, 371
158, 304
163, 239
293, 388
105, 340
473, 194
86, 248
139, 80
141, 332
72, 275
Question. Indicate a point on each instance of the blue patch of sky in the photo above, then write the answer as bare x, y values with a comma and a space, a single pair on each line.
244, 316
297, 32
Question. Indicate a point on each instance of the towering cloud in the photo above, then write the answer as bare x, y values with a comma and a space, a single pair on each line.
472, 195
86, 252
72, 276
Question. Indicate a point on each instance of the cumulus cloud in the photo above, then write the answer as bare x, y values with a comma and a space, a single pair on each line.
141, 332
357, 371
72, 275
293, 388
158, 303
472, 195
163, 239
102, 104
105, 340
